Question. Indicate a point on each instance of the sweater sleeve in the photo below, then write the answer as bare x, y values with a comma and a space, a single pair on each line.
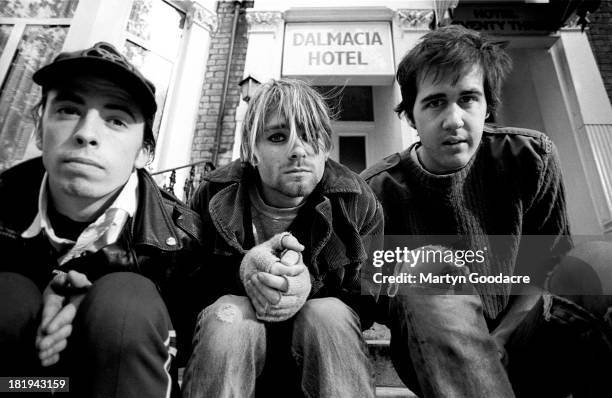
546, 233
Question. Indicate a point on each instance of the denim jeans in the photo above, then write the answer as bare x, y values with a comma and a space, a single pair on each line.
231, 347
442, 347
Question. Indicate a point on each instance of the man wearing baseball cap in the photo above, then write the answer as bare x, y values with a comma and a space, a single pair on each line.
96, 258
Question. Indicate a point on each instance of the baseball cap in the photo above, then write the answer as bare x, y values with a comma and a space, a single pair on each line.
104, 60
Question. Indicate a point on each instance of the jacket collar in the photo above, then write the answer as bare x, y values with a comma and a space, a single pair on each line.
153, 224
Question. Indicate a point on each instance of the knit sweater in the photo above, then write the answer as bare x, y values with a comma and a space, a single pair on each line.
509, 191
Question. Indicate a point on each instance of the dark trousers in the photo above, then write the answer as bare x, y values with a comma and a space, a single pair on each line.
120, 343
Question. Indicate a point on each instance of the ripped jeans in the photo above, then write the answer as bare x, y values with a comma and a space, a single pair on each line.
441, 345
323, 343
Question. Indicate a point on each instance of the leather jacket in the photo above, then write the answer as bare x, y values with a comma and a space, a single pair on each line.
162, 242
340, 225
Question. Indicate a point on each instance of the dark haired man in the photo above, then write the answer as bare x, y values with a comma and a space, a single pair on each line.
88, 227
499, 192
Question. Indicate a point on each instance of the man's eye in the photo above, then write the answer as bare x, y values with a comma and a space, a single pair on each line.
68, 111
277, 137
117, 122
434, 103
468, 99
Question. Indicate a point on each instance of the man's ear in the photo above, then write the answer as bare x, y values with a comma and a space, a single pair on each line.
37, 115
38, 134
142, 158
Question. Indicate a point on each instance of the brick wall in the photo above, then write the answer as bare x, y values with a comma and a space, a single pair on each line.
212, 90
600, 36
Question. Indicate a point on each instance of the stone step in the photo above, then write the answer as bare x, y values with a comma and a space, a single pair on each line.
378, 337
394, 392
388, 383
380, 353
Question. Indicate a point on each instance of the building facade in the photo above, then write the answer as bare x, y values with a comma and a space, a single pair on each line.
555, 85
600, 37
197, 51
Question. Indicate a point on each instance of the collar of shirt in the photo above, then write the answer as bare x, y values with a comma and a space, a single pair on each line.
126, 201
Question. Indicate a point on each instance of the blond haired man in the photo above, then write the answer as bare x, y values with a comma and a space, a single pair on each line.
292, 230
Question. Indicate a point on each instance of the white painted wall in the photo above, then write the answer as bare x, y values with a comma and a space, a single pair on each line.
178, 124
520, 107
98, 20
594, 104
555, 102
385, 139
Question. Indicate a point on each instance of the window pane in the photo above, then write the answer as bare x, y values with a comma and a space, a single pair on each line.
5, 32
38, 8
352, 153
158, 24
156, 69
37, 47
154, 37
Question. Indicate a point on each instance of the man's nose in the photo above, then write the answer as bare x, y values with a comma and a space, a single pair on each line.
299, 149
453, 118
88, 129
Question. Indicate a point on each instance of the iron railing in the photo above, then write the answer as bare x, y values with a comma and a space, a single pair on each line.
192, 180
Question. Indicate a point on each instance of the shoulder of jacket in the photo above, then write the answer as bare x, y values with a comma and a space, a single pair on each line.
19, 187
29, 172
537, 140
382, 166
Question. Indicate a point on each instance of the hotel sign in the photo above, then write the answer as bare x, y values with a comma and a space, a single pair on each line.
505, 19
336, 52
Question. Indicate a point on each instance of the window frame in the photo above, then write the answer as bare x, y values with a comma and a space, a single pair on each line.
19, 27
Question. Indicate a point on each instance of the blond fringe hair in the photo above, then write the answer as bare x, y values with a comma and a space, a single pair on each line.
295, 102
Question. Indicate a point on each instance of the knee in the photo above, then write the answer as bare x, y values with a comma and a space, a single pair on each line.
20, 302
584, 276
586, 269
325, 315
123, 309
444, 313
228, 323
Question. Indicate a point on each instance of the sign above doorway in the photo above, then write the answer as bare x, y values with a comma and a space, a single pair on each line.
339, 53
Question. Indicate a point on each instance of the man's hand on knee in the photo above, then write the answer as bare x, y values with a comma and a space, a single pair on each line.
61, 300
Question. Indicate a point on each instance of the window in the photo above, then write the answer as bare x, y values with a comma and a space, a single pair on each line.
32, 32
37, 8
349, 103
154, 33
